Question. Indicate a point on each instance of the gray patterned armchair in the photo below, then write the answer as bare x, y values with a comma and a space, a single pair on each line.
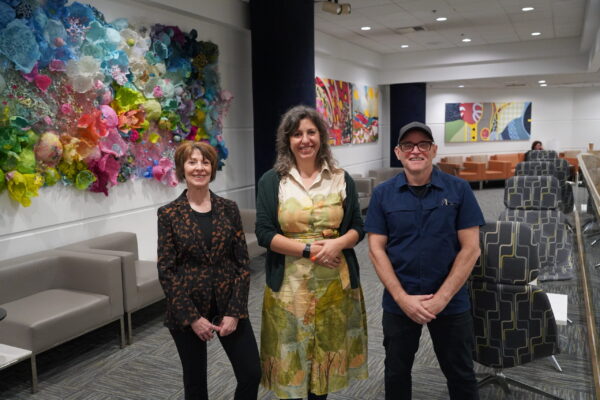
558, 168
513, 321
534, 200
539, 155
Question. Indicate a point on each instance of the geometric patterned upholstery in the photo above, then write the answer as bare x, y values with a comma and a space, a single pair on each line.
532, 192
513, 322
553, 239
557, 167
563, 173
537, 155
536, 168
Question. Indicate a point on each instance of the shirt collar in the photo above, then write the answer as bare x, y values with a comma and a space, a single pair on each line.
324, 170
436, 180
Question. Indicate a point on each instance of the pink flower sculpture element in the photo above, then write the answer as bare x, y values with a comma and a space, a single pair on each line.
66, 109
41, 81
161, 170
113, 144
106, 170
57, 65
111, 120
157, 91
134, 135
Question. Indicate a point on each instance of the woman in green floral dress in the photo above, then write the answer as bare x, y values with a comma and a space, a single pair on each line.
314, 336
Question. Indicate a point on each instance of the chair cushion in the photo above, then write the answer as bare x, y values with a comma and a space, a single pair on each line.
148, 285
50, 317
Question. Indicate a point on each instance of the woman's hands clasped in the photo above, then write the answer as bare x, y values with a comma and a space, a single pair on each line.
205, 330
327, 252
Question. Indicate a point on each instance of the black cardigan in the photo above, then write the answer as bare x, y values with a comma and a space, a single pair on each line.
267, 226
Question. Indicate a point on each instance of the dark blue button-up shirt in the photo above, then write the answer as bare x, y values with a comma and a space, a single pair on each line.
422, 233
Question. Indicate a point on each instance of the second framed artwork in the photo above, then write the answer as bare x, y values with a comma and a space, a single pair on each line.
487, 122
350, 110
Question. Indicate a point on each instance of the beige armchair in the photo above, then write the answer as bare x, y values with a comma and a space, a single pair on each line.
380, 175
248, 222
54, 296
141, 286
364, 187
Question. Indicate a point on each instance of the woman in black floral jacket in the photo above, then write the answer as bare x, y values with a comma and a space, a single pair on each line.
203, 269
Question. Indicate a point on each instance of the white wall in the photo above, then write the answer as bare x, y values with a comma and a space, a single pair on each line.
562, 118
62, 215
342, 61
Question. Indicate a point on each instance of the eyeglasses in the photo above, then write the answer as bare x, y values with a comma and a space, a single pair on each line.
408, 147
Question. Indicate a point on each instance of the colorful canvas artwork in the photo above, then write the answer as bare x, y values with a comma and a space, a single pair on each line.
93, 104
365, 114
486, 122
334, 102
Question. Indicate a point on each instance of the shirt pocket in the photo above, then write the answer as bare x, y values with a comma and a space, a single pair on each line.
442, 219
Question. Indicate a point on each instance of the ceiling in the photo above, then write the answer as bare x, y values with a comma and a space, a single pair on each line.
485, 22
482, 21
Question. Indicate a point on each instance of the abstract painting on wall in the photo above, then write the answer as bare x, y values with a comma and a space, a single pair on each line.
365, 114
487, 122
334, 102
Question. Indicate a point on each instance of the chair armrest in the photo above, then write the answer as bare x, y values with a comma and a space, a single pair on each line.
496, 165
477, 167
128, 273
94, 273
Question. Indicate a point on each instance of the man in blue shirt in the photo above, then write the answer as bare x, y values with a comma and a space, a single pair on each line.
423, 229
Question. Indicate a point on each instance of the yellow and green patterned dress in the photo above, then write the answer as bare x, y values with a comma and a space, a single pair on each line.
314, 334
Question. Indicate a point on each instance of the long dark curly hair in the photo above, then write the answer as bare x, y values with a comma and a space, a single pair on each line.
290, 121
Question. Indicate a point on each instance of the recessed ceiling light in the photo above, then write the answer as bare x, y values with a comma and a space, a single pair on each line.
542, 81
527, 9
404, 46
365, 28
543, 84
536, 33
441, 19
461, 86
466, 40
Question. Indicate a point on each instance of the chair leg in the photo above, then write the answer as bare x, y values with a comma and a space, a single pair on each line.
556, 364
531, 388
495, 378
34, 378
129, 329
122, 331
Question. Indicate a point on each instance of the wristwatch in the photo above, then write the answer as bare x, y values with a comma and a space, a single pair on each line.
306, 251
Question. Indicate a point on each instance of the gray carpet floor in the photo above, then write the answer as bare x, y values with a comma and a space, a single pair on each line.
93, 366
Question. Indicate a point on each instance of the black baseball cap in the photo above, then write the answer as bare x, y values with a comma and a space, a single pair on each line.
415, 126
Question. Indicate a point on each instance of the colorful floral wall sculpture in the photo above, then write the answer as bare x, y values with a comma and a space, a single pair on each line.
92, 104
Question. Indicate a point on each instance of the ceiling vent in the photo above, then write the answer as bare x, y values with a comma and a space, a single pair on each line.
410, 29
515, 84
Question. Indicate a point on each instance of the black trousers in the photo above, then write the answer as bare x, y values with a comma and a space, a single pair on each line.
241, 349
452, 337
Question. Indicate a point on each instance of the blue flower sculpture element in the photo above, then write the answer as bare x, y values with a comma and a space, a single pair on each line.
7, 14
18, 44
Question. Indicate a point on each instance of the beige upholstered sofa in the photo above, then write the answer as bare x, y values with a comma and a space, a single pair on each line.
141, 286
54, 296
248, 222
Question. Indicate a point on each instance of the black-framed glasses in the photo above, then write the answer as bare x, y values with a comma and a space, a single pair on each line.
407, 146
